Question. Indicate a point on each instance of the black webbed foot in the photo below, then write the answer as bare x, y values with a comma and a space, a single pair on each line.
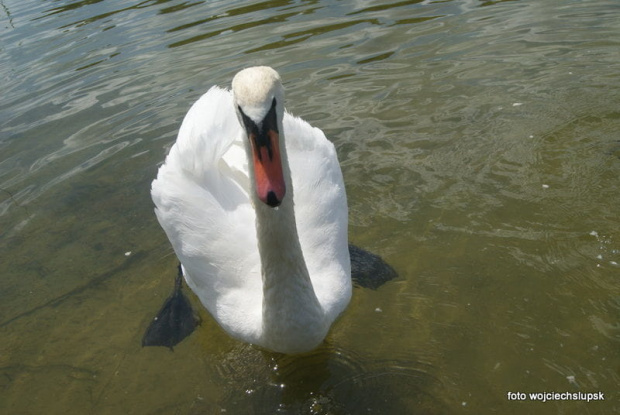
369, 270
175, 320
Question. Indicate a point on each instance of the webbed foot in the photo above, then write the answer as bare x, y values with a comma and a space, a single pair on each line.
369, 270
175, 320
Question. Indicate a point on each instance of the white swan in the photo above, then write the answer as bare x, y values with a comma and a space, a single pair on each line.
253, 202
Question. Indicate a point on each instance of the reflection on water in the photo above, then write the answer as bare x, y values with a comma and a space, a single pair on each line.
479, 145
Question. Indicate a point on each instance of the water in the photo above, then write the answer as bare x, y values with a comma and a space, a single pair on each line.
479, 144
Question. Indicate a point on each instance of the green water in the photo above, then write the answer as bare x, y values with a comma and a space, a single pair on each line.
480, 146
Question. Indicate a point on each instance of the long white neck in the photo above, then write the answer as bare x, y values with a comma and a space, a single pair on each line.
293, 319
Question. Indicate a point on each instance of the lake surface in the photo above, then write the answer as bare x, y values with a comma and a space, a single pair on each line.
480, 146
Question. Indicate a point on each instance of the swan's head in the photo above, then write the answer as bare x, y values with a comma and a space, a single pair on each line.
259, 102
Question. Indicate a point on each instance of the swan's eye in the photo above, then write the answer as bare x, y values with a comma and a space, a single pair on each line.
249, 125
270, 122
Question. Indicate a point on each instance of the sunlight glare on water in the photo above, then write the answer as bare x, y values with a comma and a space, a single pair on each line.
479, 145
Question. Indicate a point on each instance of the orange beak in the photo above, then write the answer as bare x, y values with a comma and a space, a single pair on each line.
270, 186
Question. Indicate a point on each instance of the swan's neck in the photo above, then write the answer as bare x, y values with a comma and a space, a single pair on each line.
292, 316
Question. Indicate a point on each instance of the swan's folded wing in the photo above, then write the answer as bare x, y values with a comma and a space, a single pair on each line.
320, 210
201, 199
208, 130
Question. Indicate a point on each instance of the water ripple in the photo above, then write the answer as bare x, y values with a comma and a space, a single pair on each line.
327, 380
478, 141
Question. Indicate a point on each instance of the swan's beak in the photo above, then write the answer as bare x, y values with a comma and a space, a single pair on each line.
270, 186
265, 144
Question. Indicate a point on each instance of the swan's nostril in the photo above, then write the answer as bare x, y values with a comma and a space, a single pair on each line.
272, 199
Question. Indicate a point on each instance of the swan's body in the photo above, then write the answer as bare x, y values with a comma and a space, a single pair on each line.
253, 202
